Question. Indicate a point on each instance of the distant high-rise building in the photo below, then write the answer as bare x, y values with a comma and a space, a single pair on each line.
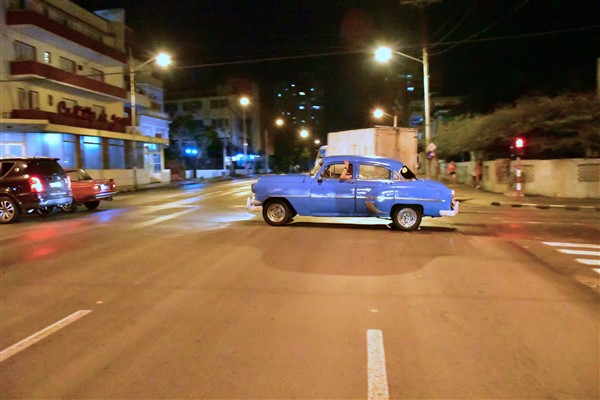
300, 104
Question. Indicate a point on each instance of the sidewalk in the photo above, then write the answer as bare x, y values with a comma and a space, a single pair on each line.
469, 195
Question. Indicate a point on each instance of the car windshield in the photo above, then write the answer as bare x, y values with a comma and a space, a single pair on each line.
79, 175
316, 168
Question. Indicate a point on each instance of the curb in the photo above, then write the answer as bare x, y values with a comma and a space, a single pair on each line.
545, 206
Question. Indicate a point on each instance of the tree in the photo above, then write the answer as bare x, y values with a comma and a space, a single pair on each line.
562, 127
185, 132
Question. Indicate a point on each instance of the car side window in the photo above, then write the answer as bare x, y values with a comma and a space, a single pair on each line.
373, 172
5, 167
333, 171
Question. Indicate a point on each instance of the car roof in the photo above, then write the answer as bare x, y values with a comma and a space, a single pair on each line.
380, 160
13, 158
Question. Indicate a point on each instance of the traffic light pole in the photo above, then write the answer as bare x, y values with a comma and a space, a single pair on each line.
518, 178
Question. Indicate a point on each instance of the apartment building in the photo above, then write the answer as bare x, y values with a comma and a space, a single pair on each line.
220, 110
63, 92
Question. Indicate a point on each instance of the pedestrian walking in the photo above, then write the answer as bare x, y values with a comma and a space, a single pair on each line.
452, 171
477, 170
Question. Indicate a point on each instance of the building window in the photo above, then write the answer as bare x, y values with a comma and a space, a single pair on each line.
97, 75
34, 100
219, 103
23, 51
92, 152
12, 149
69, 103
23, 99
67, 65
50, 100
47, 57
116, 153
192, 106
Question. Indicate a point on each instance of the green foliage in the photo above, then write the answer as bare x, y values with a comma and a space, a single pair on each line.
561, 127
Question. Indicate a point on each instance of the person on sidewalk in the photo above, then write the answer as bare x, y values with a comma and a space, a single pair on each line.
452, 171
477, 174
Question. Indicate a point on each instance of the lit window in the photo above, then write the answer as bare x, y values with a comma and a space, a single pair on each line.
302, 94
47, 57
300, 107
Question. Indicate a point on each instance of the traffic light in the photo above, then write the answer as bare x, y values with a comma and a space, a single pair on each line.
518, 146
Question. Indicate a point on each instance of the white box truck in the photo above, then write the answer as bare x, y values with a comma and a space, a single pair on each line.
383, 141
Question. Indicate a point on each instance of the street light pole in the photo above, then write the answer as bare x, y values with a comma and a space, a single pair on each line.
244, 102
162, 60
383, 54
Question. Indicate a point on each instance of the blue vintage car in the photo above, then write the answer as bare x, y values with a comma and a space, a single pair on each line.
353, 186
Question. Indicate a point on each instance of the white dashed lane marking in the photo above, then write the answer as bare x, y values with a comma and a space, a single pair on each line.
36, 337
378, 385
590, 251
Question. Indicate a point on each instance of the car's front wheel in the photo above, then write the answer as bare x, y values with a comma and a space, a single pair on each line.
44, 211
277, 213
406, 218
9, 212
91, 205
70, 208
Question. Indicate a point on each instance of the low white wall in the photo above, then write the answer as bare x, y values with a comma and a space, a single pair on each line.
129, 178
575, 177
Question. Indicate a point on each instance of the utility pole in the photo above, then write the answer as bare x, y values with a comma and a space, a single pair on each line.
426, 107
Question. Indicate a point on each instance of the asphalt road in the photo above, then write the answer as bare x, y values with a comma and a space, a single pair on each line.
181, 293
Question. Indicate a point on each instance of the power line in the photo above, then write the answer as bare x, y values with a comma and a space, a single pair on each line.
489, 27
509, 37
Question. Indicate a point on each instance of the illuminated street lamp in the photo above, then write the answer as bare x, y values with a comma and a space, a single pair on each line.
379, 113
384, 54
245, 102
162, 60
304, 133
279, 122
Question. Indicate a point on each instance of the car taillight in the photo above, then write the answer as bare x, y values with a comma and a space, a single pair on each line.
69, 182
96, 188
36, 185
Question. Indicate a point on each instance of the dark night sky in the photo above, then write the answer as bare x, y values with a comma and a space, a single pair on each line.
490, 50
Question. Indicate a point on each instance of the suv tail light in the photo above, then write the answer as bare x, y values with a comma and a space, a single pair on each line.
36, 185
69, 182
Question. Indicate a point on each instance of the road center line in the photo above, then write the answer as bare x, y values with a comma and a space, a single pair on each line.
36, 337
580, 252
378, 385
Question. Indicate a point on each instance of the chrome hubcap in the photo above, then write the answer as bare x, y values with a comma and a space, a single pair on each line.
276, 212
407, 217
6, 210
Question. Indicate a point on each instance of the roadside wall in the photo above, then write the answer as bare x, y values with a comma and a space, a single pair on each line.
577, 177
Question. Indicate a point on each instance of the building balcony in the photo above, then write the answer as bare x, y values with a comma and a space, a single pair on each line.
78, 117
34, 68
37, 19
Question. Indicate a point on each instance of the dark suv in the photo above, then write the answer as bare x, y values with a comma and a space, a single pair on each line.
31, 184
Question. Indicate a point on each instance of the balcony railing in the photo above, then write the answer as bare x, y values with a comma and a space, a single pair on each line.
29, 67
51, 19
80, 118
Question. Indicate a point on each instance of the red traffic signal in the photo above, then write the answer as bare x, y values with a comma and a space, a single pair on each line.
518, 146
519, 143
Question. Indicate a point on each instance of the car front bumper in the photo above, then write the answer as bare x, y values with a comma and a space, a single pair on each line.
452, 212
253, 205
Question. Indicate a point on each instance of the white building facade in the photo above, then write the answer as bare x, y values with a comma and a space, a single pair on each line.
63, 93
220, 110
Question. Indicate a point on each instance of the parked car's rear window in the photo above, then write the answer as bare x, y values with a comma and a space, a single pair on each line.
45, 167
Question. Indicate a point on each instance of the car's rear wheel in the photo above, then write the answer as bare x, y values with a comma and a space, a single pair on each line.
91, 205
407, 218
9, 212
44, 211
277, 213
69, 208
